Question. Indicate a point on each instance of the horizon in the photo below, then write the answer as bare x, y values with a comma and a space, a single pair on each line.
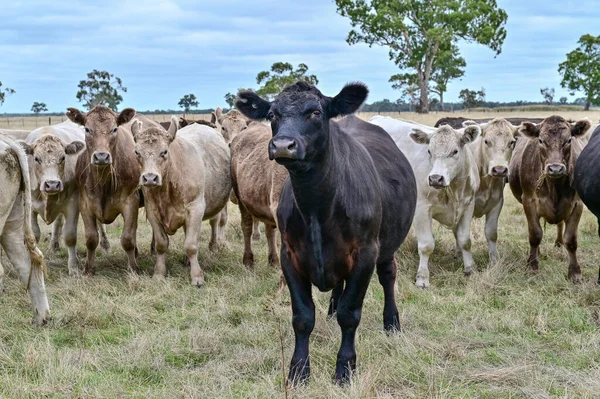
166, 49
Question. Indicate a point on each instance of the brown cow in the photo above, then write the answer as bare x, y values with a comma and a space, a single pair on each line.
457, 122
107, 176
257, 184
542, 179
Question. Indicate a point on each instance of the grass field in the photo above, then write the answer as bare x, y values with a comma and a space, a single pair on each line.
501, 333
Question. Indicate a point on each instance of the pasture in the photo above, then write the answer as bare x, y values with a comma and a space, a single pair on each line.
500, 333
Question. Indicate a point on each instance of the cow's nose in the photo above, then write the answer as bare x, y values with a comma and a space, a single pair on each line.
150, 180
556, 169
283, 147
436, 181
499, 171
101, 158
52, 186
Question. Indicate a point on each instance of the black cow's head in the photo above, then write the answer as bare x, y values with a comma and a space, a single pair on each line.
299, 118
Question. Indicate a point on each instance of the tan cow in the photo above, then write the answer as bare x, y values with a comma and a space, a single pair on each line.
107, 177
257, 184
16, 236
15, 134
185, 179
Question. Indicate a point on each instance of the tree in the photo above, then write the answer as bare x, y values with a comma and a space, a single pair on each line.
563, 100
230, 99
448, 65
548, 95
415, 31
4, 92
410, 89
282, 74
581, 70
101, 88
187, 102
36, 108
472, 98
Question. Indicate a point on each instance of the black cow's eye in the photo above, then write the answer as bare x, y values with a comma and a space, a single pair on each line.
164, 154
316, 113
270, 116
37, 159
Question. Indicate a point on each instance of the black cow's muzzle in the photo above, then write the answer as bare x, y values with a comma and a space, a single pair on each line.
283, 148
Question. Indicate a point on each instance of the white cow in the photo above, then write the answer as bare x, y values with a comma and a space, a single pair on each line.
447, 180
53, 152
16, 236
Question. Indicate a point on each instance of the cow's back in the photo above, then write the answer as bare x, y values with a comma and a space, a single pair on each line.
396, 179
587, 174
257, 181
200, 142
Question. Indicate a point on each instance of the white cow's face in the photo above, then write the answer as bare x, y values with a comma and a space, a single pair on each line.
498, 140
446, 149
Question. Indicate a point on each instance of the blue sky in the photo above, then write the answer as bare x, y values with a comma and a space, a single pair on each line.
165, 49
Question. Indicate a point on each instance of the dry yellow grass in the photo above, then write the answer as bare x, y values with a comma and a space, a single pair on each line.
500, 334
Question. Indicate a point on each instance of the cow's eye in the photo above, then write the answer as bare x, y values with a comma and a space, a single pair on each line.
115, 130
316, 113
61, 160
270, 116
137, 153
429, 152
512, 144
37, 159
541, 141
454, 152
486, 142
87, 130
164, 153
569, 141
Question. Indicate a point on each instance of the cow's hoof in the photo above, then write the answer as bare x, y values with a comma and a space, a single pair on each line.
470, 272
256, 237
273, 260
74, 272
576, 278
198, 281
105, 245
54, 246
422, 282
158, 277
248, 260
41, 319
558, 244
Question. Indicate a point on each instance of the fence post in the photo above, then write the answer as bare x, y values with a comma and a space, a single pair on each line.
7, 122
49, 120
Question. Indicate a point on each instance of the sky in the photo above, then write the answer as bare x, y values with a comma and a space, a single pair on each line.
165, 49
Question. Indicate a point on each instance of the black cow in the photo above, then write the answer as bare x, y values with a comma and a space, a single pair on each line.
587, 177
347, 206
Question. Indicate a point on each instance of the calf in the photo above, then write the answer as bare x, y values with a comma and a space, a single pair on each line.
587, 177
458, 122
257, 185
542, 179
447, 183
107, 176
16, 236
185, 179
346, 207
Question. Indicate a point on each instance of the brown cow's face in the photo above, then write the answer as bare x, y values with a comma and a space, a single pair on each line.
152, 151
49, 154
554, 138
101, 127
446, 150
497, 144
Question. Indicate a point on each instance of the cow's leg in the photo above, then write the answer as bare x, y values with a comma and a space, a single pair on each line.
457, 251
128, 238
14, 246
560, 228
35, 225
422, 223
491, 230
193, 223
70, 235
256, 230
161, 243
386, 271
349, 312
57, 229
463, 234
247, 222
336, 294
223, 225
570, 241
91, 241
303, 320
104, 241
213, 245
535, 234
271, 233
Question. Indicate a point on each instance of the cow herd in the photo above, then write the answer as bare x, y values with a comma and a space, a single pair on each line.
342, 192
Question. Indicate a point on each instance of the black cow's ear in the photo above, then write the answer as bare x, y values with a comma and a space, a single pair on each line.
581, 127
348, 100
76, 116
252, 106
125, 116
529, 129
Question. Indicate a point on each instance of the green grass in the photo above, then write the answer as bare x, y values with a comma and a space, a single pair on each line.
502, 333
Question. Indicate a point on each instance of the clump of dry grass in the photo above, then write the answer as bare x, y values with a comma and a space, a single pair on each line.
500, 333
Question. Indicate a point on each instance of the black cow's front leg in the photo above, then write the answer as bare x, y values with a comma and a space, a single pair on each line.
303, 320
350, 310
